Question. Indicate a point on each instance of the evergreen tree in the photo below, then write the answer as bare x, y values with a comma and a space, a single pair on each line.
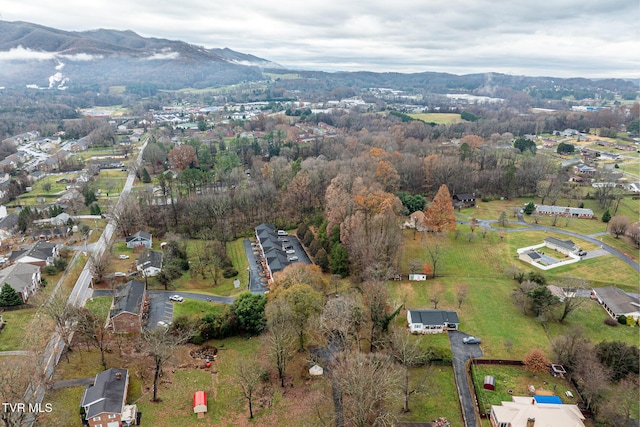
95, 209
606, 216
339, 260
322, 260
146, 178
9, 297
529, 208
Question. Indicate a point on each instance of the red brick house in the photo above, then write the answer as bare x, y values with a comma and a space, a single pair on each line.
128, 308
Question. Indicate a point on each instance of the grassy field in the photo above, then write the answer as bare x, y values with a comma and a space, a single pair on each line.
196, 309
439, 118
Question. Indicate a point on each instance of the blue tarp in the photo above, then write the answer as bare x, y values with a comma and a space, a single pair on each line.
548, 399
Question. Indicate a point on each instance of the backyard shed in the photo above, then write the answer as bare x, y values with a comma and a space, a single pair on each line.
489, 382
200, 403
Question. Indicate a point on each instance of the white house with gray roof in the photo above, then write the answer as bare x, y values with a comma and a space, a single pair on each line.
564, 211
432, 321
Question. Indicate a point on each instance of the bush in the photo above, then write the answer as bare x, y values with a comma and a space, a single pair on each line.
486, 199
536, 361
610, 322
536, 277
622, 319
230, 272
50, 270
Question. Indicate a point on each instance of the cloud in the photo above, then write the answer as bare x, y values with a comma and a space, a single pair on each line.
163, 56
21, 54
80, 57
591, 38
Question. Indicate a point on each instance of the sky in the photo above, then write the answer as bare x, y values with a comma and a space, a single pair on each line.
558, 38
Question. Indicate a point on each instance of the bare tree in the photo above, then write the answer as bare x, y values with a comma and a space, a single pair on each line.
62, 317
93, 330
368, 383
127, 215
571, 301
462, 291
618, 225
100, 264
408, 354
248, 373
567, 348
341, 320
161, 343
281, 336
592, 377
435, 252
376, 298
435, 294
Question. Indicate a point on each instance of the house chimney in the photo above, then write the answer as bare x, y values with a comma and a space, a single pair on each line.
119, 377
531, 422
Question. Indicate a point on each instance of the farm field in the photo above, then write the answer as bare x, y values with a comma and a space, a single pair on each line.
439, 118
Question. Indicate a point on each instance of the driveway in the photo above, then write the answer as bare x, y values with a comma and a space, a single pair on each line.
461, 353
255, 280
161, 308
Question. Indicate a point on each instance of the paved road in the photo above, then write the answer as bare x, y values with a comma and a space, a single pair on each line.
461, 353
79, 295
255, 283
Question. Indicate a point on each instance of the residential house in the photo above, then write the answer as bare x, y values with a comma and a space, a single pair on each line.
23, 278
432, 321
104, 403
79, 145
564, 246
50, 233
128, 308
564, 211
583, 169
9, 222
140, 239
525, 411
40, 254
417, 221
633, 187
463, 200
617, 302
149, 263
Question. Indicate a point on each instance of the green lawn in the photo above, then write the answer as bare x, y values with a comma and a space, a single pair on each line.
437, 398
12, 336
100, 306
196, 309
517, 380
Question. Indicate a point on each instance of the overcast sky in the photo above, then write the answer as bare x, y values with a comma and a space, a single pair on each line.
562, 38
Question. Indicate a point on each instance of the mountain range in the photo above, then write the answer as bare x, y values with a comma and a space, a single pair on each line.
47, 58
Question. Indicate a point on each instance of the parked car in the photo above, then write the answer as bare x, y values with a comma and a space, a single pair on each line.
176, 298
120, 274
582, 253
124, 257
164, 324
471, 340
282, 233
293, 258
290, 252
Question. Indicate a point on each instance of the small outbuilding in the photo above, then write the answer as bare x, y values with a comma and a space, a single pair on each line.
316, 370
200, 403
489, 382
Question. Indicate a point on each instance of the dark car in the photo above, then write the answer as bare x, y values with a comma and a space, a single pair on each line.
471, 340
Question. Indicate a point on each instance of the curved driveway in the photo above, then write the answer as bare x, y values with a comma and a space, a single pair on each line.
488, 225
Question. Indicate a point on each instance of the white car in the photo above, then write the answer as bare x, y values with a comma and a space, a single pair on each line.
293, 258
164, 324
124, 257
176, 298
290, 252
282, 233
120, 274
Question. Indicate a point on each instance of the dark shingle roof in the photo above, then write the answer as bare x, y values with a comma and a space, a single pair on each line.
150, 259
41, 250
568, 244
139, 235
107, 393
128, 299
433, 317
